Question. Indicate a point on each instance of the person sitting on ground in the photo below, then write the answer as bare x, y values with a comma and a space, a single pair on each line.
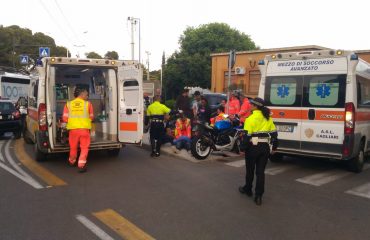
220, 116
182, 133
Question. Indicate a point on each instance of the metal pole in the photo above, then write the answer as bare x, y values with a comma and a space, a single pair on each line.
139, 43
132, 39
228, 89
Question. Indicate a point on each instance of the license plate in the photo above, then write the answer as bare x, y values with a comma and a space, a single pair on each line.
284, 128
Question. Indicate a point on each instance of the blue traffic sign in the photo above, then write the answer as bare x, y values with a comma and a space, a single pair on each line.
23, 59
44, 52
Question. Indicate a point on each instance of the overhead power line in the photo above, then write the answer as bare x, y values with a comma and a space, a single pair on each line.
56, 22
66, 20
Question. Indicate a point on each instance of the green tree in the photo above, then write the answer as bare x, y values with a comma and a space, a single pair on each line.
93, 55
111, 55
16, 41
191, 66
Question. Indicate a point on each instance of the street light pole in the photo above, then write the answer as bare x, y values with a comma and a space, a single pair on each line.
148, 54
134, 21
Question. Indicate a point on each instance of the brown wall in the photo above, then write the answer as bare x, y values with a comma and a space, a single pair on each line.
248, 82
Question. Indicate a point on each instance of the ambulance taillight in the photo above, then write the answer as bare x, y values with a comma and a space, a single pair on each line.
349, 125
42, 117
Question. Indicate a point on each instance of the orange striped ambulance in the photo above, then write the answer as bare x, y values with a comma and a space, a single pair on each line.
115, 90
320, 103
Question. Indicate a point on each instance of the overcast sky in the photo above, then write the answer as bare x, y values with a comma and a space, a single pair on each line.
102, 26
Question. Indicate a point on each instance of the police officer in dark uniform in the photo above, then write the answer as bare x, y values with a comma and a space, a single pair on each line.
259, 142
156, 114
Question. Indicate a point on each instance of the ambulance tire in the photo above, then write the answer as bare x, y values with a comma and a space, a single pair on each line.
40, 156
356, 164
26, 136
276, 158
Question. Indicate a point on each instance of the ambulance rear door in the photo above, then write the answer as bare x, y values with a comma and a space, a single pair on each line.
323, 114
283, 95
130, 104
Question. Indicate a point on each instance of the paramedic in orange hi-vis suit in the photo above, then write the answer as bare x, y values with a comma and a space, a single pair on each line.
78, 114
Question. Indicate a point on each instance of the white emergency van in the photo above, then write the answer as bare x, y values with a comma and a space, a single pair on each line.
13, 85
115, 91
320, 103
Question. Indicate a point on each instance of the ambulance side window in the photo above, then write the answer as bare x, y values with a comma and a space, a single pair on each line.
131, 92
363, 92
32, 100
324, 91
283, 91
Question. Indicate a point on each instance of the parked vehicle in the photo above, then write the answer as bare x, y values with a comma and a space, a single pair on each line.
115, 91
13, 84
214, 100
320, 104
224, 136
10, 119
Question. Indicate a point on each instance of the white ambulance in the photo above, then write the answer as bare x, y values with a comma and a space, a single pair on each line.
115, 91
320, 103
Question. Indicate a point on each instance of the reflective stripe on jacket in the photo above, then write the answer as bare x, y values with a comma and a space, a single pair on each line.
78, 114
183, 128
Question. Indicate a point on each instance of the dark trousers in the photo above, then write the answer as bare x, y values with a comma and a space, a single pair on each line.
156, 135
255, 160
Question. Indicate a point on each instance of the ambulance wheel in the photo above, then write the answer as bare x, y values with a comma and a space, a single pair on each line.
276, 158
40, 156
199, 148
356, 164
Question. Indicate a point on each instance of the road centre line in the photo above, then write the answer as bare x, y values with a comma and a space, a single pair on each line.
18, 172
121, 225
36, 168
361, 191
324, 178
93, 228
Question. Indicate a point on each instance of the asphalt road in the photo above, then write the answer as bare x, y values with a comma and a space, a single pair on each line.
170, 198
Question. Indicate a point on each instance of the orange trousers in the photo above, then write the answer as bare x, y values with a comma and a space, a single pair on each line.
81, 136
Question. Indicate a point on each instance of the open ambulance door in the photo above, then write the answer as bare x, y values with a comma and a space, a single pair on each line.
130, 104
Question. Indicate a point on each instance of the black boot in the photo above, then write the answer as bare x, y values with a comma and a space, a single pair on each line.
258, 200
242, 190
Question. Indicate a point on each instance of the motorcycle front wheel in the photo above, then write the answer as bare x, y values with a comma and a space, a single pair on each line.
200, 149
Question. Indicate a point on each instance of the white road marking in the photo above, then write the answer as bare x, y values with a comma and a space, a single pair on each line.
93, 228
19, 172
279, 169
361, 191
239, 163
323, 178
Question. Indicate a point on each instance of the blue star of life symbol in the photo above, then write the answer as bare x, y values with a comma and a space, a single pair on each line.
323, 90
283, 91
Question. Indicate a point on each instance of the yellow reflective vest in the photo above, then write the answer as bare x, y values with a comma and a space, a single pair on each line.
257, 123
78, 114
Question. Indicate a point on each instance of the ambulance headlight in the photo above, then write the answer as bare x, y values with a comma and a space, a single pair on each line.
339, 52
113, 62
273, 56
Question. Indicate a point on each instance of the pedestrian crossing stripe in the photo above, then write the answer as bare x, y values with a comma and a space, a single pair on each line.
361, 191
323, 178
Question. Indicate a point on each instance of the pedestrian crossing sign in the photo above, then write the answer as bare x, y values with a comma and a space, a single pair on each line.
44, 52
23, 59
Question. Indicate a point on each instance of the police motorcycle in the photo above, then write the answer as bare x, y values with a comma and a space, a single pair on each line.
226, 135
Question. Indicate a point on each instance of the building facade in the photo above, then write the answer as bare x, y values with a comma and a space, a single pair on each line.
245, 76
